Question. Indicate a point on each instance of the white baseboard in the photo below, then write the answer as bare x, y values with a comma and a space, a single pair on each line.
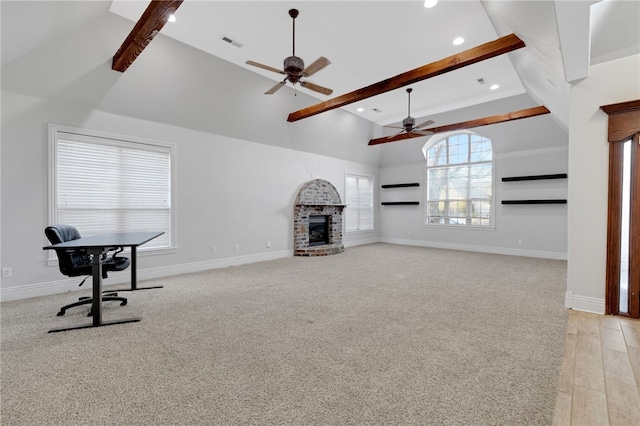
71, 284
584, 303
187, 268
481, 249
361, 242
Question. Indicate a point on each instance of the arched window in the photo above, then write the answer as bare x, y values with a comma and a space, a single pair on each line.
459, 180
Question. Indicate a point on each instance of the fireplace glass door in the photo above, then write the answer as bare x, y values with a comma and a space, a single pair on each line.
318, 230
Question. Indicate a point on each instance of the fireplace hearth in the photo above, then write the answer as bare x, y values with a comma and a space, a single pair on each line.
317, 220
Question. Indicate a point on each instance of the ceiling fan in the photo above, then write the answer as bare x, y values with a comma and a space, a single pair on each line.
294, 67
408, 124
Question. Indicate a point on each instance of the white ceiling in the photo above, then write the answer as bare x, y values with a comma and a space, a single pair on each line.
374, 40
366, 43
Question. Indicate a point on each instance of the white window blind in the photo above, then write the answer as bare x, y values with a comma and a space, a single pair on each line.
359, 198
107, 184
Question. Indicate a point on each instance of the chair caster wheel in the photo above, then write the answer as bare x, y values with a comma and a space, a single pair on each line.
123, 303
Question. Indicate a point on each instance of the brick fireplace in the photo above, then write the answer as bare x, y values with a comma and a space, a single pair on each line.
317, 220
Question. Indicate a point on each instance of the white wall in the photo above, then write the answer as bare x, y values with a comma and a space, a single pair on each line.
608, 83
229, 191
527, 230
239, 162
236, 154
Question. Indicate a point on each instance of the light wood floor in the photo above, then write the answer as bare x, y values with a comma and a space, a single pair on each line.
600, 374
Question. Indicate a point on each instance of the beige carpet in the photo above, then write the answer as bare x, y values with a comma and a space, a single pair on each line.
380, 334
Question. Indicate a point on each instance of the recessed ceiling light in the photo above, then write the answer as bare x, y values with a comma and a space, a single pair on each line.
430, 3
360, 109
172, 18
458, 41
494, 86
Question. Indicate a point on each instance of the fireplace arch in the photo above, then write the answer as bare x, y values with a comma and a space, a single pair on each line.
315, 199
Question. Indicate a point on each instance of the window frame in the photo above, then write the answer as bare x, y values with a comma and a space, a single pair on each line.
425, 195
623, 124
56, 131
346, 201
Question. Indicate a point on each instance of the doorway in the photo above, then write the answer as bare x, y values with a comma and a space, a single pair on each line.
623, 222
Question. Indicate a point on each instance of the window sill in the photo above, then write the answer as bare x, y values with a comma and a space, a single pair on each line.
461, 227
358, 231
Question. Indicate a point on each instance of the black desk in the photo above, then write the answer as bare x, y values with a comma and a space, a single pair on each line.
96, 245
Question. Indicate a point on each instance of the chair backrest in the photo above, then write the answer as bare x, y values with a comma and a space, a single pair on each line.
71, 262
61, 233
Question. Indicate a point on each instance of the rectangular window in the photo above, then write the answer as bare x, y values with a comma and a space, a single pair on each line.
460, 181
109, 183
359, 199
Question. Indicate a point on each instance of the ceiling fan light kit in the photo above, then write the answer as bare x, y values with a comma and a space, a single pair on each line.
294, 69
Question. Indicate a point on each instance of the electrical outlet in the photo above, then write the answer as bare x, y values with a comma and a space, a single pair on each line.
7, 273
519, 241
268, 244
237, 247
213, 249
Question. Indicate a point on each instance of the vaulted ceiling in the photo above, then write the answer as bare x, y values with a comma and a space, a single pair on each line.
371, 41
368, 41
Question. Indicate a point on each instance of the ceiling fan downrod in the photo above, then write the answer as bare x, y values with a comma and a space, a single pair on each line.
294, 14
293, 65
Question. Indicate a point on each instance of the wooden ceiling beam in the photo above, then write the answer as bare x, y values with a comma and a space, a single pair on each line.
488, 50
494, 119
147, 27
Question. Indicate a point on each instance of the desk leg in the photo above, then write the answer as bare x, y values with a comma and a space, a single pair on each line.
96, 306
134, 273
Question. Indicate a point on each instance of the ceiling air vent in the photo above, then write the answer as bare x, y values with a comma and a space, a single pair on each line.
231, 41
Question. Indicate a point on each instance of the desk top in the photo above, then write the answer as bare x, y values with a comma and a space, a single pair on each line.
115, 239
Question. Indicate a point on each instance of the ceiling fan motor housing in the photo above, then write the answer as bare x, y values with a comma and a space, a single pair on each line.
408, 124
293, 66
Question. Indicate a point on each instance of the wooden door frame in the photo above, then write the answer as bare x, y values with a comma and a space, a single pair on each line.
624, 124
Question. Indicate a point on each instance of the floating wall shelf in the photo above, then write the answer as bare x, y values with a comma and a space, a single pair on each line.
534, 177
400, 203
534, 201
400, 185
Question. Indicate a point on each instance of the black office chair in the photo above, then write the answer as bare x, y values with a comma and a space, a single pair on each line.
77, 263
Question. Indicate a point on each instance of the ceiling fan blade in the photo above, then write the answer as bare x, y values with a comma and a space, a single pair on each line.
275, 88
485, 121
422, 132
265, 67
396, 134
316, 88
394, 127
426, 123
320, 63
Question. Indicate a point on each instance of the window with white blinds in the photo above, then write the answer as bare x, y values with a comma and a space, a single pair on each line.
359, 198
110, 183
